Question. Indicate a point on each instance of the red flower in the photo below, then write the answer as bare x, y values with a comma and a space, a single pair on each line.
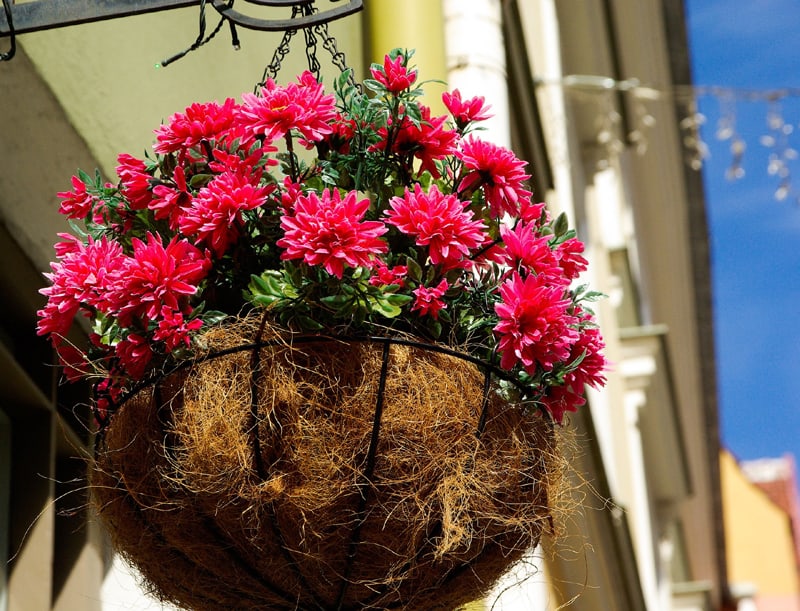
429, 301
157, 276
530, 252
498, 171
278, 110
343, 131
76, 204
134, 353
252, 163
214, 217
535, 328
174, 330
82, 278
200, 122
590, 372
136, 181
428, 142
329, 231
570, 258
394, 74
385, 276
532, 212
170, 201
439, 222
466, 111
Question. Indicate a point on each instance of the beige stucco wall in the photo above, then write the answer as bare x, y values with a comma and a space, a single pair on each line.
105, 76
76, 97
759, 540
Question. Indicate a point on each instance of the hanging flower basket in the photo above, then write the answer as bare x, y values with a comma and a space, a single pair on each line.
327, 383
323, 474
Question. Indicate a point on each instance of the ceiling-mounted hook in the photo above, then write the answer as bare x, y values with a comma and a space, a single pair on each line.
279, 25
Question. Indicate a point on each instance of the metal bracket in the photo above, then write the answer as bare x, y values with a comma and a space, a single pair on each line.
48, 14
282, 25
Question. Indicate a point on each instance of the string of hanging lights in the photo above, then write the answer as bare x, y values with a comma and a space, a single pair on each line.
776, 137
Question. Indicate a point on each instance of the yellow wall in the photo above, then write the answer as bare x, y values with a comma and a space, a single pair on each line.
757, 534
411, 24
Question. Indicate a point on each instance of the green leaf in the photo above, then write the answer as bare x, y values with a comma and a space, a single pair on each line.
561, 225
336, 301
258, 286
375, 86
294, 274
414, 270
435, 327
386, 309
264, 300
199, 180
430, 276
85, 178
308, 324
398, 299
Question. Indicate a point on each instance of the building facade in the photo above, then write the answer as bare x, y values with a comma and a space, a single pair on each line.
760, 499
580, 88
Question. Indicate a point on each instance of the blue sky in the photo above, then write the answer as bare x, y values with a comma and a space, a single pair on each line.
755, 239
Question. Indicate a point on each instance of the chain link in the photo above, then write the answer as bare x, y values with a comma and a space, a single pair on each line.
337, 57
311, 34
271, 71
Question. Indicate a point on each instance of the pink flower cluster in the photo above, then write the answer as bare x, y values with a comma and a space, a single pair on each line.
152, 285
404, 221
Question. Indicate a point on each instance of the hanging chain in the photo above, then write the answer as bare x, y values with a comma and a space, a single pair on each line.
311, 35
271, 71
311, 45
337, 57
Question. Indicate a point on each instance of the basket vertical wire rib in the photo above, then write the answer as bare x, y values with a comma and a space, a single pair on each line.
258, 465
367, 475
259, 421
164, 415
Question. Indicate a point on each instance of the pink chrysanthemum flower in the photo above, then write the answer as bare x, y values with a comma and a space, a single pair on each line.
498, 171
535, 327
199, 122
69, 244
254, 163
329, 231
394, 74
465, 111
78, 203
439, 222
385, 276
590, 372
570, 258
82, 278
291, 191
527, 251
214, 217
157, 276
429, 142
301, 106
170, 201
135, 180
531, 212
174, 330
429, 300
134, 354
